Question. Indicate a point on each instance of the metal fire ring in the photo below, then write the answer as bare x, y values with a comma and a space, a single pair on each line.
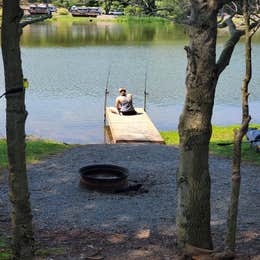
104, 177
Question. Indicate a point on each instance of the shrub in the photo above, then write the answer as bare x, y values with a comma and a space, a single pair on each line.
133, 10
63, 11
60, 4
116, 6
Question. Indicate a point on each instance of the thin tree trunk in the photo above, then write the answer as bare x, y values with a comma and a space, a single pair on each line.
193, 179
108, 4
15, 131
149, 6
238, 137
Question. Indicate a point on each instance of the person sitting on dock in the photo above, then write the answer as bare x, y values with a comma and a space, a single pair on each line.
124, 103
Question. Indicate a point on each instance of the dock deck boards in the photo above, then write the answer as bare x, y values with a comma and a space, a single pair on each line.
133, 129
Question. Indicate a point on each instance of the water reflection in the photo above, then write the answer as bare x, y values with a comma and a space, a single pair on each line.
92, 33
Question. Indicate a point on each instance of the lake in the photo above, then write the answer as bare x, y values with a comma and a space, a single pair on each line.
67, 66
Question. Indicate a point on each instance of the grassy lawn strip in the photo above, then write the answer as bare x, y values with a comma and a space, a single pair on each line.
35, 150
220, 134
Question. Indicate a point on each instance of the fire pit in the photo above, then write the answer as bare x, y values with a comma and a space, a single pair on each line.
104, 177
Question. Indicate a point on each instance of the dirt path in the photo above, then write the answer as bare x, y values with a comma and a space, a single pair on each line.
128, 226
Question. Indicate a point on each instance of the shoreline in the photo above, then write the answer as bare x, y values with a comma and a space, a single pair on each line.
39, 148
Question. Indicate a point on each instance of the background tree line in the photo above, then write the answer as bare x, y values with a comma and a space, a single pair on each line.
166, 8
177, 10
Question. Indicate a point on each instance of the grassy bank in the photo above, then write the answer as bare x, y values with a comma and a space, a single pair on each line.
35, 150
141, 19
220, 135
109, 18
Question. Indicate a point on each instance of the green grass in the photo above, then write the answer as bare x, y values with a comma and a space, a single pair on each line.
119, 19
35, 150
141, 19
5, 251
220, 134
69, 18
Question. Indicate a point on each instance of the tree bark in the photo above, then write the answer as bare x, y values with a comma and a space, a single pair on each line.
230, 241
193, 179
15, 131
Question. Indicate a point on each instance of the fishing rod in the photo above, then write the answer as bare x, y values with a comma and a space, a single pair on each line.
145, 87
106, 94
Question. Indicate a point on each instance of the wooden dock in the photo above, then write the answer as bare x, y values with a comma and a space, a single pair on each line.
133, 129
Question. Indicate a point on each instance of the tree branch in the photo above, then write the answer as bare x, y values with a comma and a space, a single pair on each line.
36, 19
226, 21
255, 29
244, 126
226, 54
221, 3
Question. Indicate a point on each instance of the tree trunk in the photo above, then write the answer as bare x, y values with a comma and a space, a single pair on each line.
149, 7
238, 137
108, 4
15, 132
193, 179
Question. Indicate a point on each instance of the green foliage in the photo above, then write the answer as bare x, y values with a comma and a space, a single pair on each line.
63, 11
1, 12
116, 6
92, 3
35, 150
220, 134
69, 3
5, 254
133, 10
58, 4
168, 8
174, 8
142, 20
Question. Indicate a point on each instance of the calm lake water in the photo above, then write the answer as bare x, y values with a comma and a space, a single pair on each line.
67, 66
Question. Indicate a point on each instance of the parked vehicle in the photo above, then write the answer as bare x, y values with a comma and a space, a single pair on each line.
41, 9
52, 8
85, 11
38, 9
116, 13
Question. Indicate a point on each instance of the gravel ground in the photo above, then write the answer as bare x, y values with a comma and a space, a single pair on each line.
58, 201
